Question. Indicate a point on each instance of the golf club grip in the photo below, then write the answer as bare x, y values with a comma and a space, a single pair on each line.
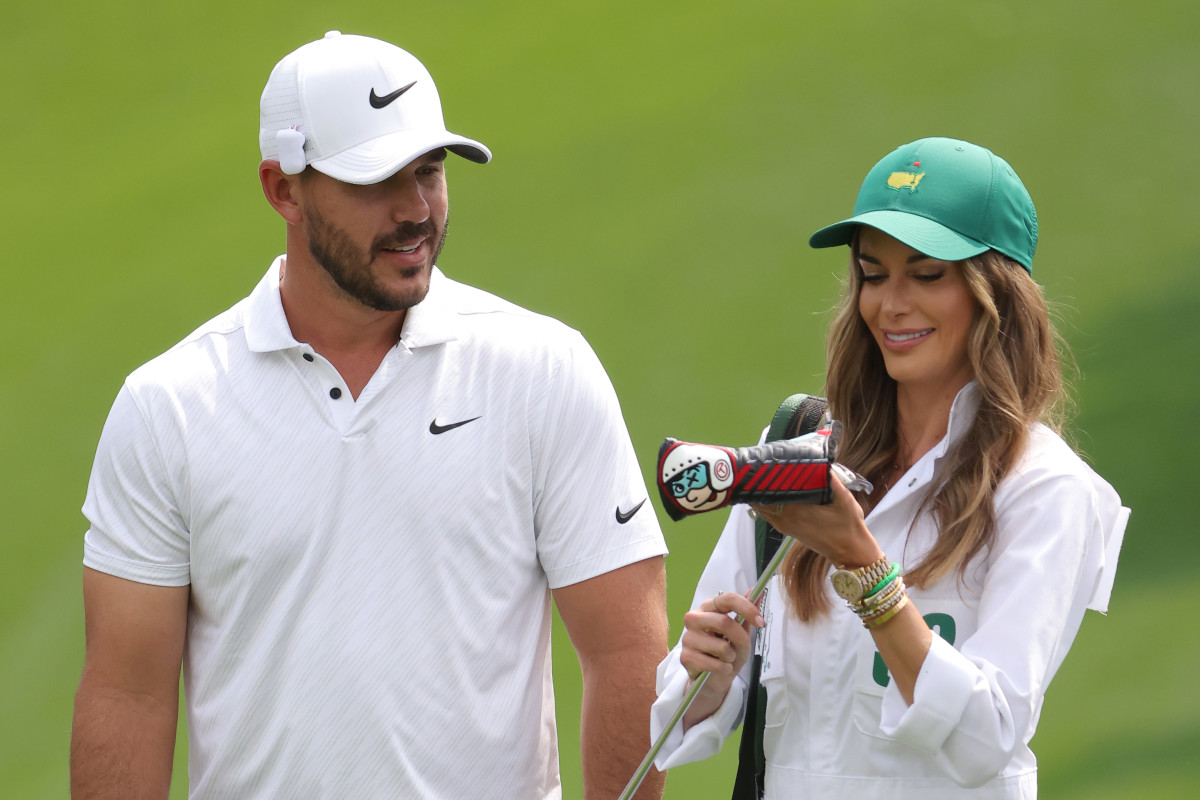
787, 471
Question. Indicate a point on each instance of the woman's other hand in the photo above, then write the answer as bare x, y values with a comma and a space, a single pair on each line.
714, 642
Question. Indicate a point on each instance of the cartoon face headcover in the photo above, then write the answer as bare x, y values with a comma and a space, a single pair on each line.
694, 478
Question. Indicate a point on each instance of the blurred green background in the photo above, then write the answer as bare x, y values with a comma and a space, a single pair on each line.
658, 169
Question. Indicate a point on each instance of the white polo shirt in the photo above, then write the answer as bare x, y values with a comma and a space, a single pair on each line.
370, 606
836, 725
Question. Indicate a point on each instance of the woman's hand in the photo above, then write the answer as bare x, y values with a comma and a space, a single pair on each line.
837, 531
713, 642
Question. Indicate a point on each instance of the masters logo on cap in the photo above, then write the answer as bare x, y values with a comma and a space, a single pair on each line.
946, 198
355, 108
905, 180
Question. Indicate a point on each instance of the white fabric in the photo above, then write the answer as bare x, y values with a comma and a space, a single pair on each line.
832, 727
370, 606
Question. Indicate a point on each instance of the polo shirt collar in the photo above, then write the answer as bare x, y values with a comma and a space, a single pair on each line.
432, 321
962, 414
265, 323
435, 319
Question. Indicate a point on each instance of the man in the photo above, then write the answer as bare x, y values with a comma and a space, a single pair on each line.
344, 505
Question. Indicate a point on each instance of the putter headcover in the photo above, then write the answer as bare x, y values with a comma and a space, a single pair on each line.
694, 478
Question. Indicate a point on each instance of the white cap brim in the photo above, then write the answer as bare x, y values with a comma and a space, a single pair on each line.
380, 158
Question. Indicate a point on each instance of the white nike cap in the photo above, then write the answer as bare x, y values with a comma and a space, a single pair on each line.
354, 108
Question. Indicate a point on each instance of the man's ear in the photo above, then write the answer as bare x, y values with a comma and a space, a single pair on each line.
281, 190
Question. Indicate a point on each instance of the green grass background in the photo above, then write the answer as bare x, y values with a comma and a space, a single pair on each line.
658, 169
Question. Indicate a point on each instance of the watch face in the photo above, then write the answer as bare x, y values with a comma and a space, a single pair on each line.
847, 585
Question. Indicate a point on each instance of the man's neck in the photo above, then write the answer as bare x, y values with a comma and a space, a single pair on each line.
351, 336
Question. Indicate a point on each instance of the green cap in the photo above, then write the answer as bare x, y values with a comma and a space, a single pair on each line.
945, 198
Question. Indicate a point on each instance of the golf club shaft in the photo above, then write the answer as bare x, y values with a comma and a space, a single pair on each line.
701, 679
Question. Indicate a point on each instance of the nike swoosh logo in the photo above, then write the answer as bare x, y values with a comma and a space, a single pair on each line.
625, 516
381, 102
435, 429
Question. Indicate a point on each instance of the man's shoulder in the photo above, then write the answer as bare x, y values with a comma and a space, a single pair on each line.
479, 311
194, 358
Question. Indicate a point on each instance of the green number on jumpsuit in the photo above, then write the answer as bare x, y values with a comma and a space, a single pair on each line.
941, 624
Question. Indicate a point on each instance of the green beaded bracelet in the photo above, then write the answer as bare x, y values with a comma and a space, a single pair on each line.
881, 599
891, 576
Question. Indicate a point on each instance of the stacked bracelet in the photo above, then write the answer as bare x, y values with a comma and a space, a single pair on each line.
884, 598
884, 601
883, 616
891, 600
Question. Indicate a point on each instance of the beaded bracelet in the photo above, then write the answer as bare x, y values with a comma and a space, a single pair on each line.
880, 619
893, 573
880, 599
891, 598
883, 608
879, 596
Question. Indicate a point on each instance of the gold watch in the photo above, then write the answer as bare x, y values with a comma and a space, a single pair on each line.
852, 584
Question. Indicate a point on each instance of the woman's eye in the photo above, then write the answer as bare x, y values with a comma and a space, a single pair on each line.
930, 277
876, 278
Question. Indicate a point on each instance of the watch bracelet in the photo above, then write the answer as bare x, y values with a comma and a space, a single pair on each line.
874, 571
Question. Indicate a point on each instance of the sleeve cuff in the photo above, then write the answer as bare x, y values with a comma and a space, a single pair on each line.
138, 571
705, 738
940, 698
650, 544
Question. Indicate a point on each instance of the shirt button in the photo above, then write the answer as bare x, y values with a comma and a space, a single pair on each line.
308, 357
335, 393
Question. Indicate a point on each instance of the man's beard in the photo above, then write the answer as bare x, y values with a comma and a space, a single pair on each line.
350, 267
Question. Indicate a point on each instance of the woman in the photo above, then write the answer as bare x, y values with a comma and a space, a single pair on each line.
967, 571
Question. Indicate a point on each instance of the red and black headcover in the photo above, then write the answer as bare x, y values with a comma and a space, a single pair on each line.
694, 478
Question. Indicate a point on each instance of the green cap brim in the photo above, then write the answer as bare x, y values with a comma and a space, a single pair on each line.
921, 234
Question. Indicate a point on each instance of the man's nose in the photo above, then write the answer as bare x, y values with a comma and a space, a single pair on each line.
407, 198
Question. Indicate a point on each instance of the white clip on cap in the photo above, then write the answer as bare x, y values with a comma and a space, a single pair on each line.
290, 143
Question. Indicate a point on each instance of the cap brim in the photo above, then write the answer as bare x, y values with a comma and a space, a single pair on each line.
378, 159
921, 234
